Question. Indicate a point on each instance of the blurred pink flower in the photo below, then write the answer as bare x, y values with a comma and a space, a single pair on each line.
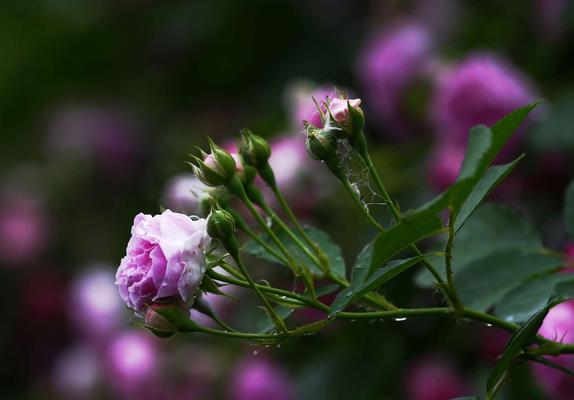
444, 165
23, 229
132, 363
95, 307
303, 101
102, 134
559, 326
432, 378
77, 373
391, 61
183, 193
339, 108
260, 378
480, 89
302, 180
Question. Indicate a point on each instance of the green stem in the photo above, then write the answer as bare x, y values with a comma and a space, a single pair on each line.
233, 251
245, 228
364, 154
323, 259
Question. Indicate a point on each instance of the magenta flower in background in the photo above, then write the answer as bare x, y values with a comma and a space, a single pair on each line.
559, 326
480, 89
183, 193
95, 308
302, 107
259, 378
391, 61
444, 165
165, 257
77, 373
132, 363
103, 134
432, 378
23, 229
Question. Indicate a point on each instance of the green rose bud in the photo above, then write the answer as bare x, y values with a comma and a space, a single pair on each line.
253, 149
216, 168
163, 319
220, 224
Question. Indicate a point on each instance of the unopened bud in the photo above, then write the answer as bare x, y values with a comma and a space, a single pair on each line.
254, 150
347, 115
163, 319
220, 224
216, 168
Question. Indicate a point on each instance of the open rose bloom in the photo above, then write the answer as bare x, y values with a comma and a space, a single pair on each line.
165, 258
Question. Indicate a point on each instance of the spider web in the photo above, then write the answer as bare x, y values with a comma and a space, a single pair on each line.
357, 174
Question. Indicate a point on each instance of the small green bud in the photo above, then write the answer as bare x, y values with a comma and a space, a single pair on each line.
253, 149
163, 319
216, 168
321, 143
220, 224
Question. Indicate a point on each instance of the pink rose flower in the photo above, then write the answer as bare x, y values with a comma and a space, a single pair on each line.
165, 257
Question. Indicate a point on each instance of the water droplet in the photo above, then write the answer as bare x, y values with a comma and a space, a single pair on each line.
489, 325
279, 345
255, 352
400, 319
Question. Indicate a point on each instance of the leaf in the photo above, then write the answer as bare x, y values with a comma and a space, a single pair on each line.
412, 228
490, 229
381, 276
569, 209
209, 285
485, 281
521, 338
523, 301
491, 178
331, 249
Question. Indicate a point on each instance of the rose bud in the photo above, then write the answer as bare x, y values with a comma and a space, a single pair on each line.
163, 319
165, 258
322, 145
221, 225
216, 168
253, 149
347, 113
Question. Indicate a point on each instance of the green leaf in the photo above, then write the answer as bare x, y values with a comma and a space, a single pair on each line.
485, 281
522, 338
490, 229
378, 278
523, 301
569, 209
491, 178
484, 144
412, 228
565, 289
331, 249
